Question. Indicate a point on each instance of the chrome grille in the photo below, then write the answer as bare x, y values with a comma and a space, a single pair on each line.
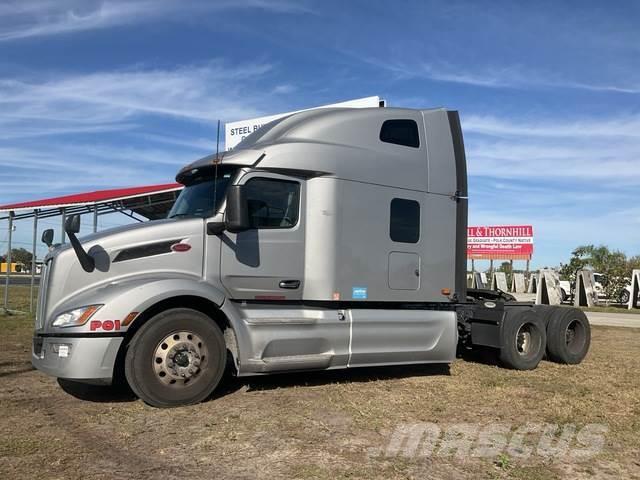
42, 295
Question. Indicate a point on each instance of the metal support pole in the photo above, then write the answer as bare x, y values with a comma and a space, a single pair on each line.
33, 259
473, 272
510, 273
8, 277
491, 268
63, 234
95, 218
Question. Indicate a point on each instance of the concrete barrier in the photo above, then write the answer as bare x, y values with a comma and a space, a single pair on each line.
635, 290
499, 281
548, 289
518, 283
586, 294
534, 279
478, 281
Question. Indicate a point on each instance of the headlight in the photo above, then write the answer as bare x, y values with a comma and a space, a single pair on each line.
77, 317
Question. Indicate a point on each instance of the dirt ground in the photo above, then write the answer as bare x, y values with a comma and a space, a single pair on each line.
317, 425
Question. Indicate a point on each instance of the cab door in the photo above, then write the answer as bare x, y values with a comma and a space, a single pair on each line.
266, 262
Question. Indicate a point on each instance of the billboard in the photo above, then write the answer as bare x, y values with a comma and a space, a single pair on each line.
500, 242
234, 132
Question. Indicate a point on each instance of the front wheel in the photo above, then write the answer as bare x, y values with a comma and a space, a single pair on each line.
523, 340
176, 358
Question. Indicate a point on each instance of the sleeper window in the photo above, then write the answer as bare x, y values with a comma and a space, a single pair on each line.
272, 203
405, 221
400, 132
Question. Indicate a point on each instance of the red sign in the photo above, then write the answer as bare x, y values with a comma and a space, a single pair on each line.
104, 325
500, 242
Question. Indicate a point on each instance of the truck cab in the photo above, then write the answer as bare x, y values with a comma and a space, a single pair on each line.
331, 238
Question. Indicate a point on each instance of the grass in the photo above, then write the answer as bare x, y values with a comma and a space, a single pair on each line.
316, 425
18, 300
611, 309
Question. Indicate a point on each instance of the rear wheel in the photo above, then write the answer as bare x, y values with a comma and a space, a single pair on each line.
523, 340
568, 336
176, 358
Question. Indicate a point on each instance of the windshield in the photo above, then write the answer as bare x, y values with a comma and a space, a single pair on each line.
202, 195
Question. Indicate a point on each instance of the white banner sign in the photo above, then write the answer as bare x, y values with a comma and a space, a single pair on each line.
234, 132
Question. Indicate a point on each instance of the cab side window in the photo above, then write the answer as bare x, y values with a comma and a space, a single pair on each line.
405, 221
400, 132
273, 203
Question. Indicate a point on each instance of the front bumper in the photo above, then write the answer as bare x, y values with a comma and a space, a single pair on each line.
85, 359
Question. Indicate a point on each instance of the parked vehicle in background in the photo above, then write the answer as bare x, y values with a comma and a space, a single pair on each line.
568, 289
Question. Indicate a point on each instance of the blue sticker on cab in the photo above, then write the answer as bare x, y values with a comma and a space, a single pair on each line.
359, 293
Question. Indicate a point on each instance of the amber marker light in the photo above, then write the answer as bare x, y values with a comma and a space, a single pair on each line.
129, 318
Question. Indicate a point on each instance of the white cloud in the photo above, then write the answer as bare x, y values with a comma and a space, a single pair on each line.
41, 18
496, 75
109, 101
603, 150
64, 168
125, 107
36, 18
284, 89
514, 76
621, 126
576, 181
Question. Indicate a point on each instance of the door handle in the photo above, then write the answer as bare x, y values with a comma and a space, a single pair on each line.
289, 284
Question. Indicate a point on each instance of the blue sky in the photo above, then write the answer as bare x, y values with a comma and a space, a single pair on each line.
96, 94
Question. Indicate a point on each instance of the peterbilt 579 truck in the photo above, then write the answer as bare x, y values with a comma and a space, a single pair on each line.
328, 239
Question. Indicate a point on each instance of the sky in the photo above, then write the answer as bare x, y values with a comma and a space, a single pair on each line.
101, 94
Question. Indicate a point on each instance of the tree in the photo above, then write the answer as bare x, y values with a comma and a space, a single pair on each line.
505, 267
613, 265
20, 255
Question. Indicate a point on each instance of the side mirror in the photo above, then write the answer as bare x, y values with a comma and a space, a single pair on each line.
72, 224
237, 215
47, 237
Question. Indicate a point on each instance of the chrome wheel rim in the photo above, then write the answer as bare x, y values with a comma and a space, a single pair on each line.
179, 358
523, 340
575, 336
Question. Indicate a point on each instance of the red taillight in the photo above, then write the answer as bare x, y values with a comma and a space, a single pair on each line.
180, 247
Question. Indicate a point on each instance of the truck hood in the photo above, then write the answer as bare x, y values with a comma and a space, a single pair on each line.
149, 228
125, 252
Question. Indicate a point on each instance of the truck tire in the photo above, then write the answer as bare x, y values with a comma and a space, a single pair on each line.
624, 296
523, 340
568, 336
176, 358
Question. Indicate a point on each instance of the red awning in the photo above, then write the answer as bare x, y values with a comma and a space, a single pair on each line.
91, 198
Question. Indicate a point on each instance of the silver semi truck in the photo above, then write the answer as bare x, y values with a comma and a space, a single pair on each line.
328, 239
